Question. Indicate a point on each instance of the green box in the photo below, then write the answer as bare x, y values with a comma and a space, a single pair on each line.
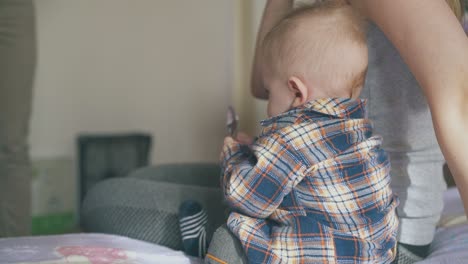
54, 191
57, 223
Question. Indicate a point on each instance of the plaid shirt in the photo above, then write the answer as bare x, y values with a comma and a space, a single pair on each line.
313, 188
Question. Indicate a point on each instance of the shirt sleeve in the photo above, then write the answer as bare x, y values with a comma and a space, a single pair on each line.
255, 180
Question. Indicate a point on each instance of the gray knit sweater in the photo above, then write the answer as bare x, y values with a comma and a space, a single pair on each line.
401, 115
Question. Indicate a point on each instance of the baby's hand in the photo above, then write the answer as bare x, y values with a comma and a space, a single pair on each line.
238, 146
229, 140
244, 138
230, 145
237, 150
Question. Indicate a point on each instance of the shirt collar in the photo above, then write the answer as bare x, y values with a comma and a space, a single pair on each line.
332, 108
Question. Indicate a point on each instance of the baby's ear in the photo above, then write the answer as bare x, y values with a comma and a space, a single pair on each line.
299, 89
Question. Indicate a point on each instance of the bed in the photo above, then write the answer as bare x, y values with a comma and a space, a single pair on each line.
450, 245
87, 248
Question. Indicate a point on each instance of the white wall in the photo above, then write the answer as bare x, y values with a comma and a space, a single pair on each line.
260, 106
158, 66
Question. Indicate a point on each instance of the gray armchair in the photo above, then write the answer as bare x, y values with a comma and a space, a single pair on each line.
144, 205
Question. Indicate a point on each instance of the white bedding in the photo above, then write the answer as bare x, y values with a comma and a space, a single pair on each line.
86, 248
450, 244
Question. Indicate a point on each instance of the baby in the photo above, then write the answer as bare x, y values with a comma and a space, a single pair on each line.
315, 186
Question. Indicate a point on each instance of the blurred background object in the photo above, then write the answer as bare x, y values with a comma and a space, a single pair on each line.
104, 156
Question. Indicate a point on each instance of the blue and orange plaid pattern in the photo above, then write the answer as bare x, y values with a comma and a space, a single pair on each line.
313, 188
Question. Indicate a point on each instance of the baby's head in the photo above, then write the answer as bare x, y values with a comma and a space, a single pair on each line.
315, 52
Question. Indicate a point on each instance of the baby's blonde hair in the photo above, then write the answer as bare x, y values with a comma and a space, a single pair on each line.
335, 58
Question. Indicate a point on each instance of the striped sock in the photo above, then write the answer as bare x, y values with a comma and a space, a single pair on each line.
192, 223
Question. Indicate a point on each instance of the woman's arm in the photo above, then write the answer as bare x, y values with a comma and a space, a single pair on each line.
433, 44
274, 11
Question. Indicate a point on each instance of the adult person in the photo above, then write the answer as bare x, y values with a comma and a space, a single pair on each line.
17, 63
